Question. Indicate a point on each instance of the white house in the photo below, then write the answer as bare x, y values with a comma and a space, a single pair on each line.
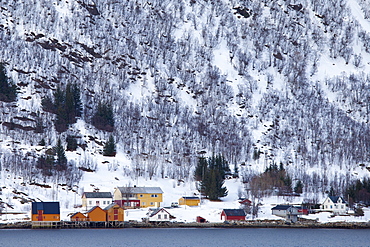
159, 215
335, 204
96, 198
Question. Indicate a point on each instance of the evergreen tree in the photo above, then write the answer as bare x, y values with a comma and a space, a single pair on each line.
298, 187
200, 169
110, 147
103, 118
66, 106
8, 91
71, 143
213, 172
61, 160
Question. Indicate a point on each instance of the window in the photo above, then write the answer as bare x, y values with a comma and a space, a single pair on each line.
143, 203
141, 195
104, 202
342, 206
154, 195
90, 202
165, 216
151, 203
159, 216
331, 206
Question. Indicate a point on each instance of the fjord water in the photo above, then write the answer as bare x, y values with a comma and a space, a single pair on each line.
183, 237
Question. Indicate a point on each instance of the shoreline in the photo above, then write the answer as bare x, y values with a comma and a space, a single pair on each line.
245, 224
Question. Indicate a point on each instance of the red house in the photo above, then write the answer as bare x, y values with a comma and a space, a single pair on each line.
232, 214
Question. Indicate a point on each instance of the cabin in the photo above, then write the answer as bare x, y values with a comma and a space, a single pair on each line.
135, 197
335, 204
200, 219
289, 212
232, 214
45, 211
245, 202
114, 212
159, 215
78, 217
189, 201
96, 213
96, 198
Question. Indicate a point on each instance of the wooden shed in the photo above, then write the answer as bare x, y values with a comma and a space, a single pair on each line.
78, 217
232, 214
45, 211
114, 212
96, 214
201, 219
189, 200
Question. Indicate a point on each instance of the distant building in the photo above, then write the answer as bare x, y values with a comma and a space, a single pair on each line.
245, 202
78, 217
45, 211
335, 204
189, 201
96, 198
232, 214
114, 212
159, 215
134, 197
96, 214
289, 212
200, 219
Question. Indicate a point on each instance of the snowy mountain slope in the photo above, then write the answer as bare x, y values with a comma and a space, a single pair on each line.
287, 80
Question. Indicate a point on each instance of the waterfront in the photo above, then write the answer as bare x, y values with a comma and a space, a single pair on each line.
185, 237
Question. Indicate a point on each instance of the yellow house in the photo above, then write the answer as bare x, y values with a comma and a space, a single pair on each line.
147, 196
189, 201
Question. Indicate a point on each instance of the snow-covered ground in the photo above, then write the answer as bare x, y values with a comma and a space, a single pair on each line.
173, 190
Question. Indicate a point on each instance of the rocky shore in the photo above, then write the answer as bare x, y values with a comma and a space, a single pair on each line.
244, 224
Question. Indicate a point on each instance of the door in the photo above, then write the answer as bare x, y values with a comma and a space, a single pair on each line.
39, 215
115, 212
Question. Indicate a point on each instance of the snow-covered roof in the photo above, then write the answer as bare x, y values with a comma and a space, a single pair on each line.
141, 190
97, 195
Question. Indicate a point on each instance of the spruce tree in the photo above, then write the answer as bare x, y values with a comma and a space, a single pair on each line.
212, 180
8, 91
71, 143
110, 147
103, 118
61, 160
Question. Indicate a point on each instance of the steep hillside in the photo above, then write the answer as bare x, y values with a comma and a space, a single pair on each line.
260, 82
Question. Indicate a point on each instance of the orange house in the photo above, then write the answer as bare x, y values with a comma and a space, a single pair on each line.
78, 217
45, 211
114, 212
96, 214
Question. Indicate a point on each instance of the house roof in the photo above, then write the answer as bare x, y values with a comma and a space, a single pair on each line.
93, 208
245, 201
47, 207
77, 213
157, 210
282, 207
110, 206
335, 199
97, 194
140, 190
190, 197
234, 212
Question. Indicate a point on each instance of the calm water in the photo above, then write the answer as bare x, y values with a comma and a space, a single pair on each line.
184, 237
